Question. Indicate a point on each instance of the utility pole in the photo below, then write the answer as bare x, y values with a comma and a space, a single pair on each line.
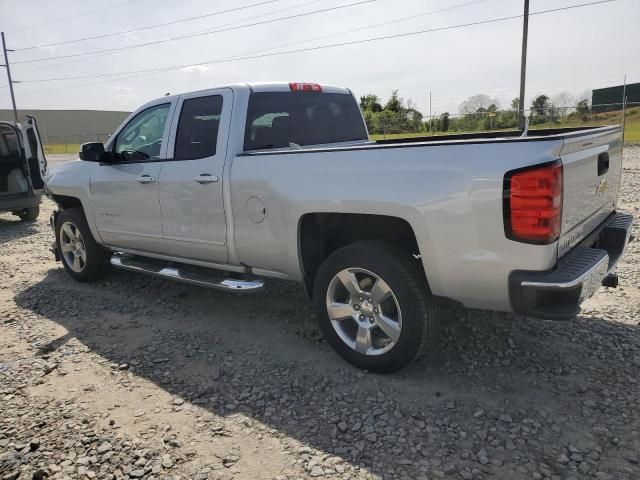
624, 106
6, 65
430, 116
523, 65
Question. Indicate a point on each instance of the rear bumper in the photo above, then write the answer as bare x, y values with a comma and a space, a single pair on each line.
558, 293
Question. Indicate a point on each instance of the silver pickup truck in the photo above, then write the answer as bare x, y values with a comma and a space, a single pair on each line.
227, 186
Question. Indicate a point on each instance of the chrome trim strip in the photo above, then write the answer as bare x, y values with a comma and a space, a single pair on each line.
228, 284
188, 261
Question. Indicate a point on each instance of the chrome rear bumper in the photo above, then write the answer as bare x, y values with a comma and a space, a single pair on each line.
557, 294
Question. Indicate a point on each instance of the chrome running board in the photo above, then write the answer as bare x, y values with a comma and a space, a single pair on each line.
184, 275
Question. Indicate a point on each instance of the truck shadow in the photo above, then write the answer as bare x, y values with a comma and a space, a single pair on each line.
263, 355
12, 229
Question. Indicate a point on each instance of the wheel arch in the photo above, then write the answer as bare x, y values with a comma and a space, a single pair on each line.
322, 233
66, 202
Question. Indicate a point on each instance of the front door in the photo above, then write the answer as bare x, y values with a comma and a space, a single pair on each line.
124, 194
191, 201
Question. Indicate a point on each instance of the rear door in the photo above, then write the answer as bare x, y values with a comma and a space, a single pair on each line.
193, 220
124, 194
592, 165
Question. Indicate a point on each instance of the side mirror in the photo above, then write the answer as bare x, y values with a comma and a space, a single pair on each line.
92, 152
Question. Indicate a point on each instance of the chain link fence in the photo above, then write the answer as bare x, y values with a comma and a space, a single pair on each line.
70, 143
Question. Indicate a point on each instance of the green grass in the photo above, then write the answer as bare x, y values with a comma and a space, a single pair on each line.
62, 148
631, 131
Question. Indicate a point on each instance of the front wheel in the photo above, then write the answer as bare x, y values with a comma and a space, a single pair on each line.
374, 307
81, 256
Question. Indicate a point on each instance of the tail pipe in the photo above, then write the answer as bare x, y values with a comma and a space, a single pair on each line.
610, 280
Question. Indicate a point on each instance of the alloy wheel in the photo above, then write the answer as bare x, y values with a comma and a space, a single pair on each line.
72, 247
364, 311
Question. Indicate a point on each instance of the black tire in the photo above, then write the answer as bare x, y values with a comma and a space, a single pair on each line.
97, 260
29, 214
420, 316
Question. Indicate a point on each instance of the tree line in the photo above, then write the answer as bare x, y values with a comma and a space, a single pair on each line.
479, 112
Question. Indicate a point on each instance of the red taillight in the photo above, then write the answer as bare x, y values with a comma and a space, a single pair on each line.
533, 204
305, 87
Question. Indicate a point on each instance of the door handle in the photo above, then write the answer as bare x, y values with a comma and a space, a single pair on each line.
146, 179
603, 163
206, 178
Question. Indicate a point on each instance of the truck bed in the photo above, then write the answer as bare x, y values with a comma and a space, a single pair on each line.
451, 197
504, 136
507, 135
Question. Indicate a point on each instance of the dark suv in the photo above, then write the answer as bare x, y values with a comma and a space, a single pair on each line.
22, 169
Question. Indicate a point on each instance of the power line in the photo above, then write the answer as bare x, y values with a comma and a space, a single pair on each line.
81, 84
56, 20
423, 14
382, 24
322, 37
453, 94
193, 35
319, 47
235, 22
149, 27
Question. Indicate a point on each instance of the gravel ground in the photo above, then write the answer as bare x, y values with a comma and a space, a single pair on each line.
135, 377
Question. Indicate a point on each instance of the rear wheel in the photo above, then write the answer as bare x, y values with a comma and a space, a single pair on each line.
81, 256
374, 307
29, 214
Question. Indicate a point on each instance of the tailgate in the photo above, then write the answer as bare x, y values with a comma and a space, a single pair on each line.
592, 165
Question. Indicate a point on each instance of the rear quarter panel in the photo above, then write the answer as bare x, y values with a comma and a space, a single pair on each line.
450, 194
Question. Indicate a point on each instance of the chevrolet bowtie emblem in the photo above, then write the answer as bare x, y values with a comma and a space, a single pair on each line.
602, 186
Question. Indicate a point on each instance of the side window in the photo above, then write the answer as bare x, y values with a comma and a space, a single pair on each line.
141, 138
197, 133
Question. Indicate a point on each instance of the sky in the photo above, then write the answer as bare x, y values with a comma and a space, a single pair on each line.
573, 50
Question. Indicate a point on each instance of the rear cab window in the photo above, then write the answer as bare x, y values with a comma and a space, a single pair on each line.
298, 119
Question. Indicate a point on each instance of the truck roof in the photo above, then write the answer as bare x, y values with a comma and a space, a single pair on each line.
266, 87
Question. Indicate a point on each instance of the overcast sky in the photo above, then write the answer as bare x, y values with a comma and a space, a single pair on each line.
572, 50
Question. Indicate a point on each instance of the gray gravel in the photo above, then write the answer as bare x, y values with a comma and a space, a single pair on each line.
135, 377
